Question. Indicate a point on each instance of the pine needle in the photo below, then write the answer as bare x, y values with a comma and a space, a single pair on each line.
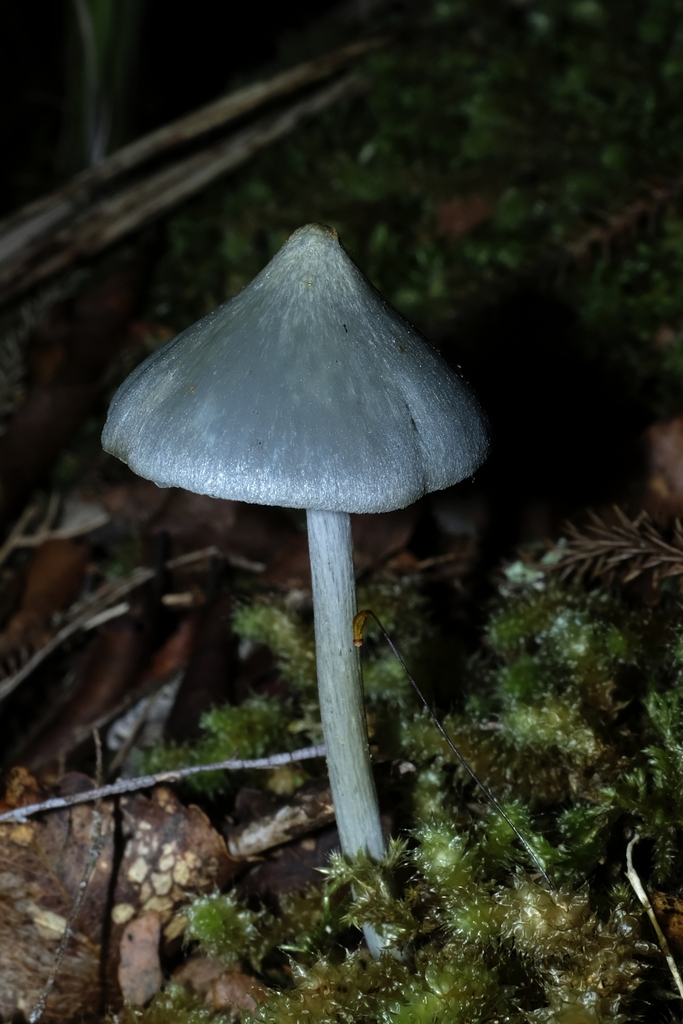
623, 550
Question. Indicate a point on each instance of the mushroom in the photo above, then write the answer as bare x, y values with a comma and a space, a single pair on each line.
307, 390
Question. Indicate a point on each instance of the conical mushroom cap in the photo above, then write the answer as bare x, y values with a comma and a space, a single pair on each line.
305, 390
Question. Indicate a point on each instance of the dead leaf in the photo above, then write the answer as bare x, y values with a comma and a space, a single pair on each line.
234, 991
54, 576
169, 853
375, 538
21, 788
210, 674
669, 913
175, 653
193, 521
72, 349
136, 501
140, 973
291, 867
170, 850
222, 989
111, 667
664, 458
306, 811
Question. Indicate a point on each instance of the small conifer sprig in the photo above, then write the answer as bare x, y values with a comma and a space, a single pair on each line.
622, 550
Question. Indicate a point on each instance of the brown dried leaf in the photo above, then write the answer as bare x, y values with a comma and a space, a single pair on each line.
222, 989
140, 974
170, 853
210, 674
193, 521
235, 991
89, 331
665, 454
171, 849
111, 668
669, 913
54, 576
377, 537
136, 501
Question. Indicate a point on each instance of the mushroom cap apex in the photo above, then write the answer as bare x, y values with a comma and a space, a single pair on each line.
314, 230
305, 390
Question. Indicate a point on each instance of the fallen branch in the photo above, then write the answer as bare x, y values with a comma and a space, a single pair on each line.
637, 886
82, 622
121, 786
105, 604
307, 811
80, 219
45, 215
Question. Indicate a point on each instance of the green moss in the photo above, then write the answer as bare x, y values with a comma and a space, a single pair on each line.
227, 928
224, 926
257, 727
649, 788
174, 1005
278, 627
480, 948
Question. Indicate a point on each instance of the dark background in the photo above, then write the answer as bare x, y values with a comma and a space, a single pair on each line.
187, 54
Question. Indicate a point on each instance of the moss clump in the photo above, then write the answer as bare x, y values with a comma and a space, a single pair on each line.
255, 728
538, 116
224, 926
174, 1004
648, 790
476, 946
291, 640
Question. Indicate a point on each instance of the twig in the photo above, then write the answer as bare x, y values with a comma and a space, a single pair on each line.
637, 886
86, 615
148, 781
136, 579
30, 226
80, 733
94, 850
18, 538
17, 531
112, 218
358, 624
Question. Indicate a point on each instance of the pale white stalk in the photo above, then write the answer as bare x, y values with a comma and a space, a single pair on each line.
341, 690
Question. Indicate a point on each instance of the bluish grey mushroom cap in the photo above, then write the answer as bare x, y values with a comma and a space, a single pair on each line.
305, 390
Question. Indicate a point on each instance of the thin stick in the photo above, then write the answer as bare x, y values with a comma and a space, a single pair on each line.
41, 218
136, 579
56, 803
637, 886
90, 614
110, 218
358, 623
17, 531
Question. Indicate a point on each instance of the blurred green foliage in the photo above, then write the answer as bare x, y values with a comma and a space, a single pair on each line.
550, 113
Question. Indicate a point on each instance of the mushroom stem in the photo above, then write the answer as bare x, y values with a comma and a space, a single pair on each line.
341, 691
340, 685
